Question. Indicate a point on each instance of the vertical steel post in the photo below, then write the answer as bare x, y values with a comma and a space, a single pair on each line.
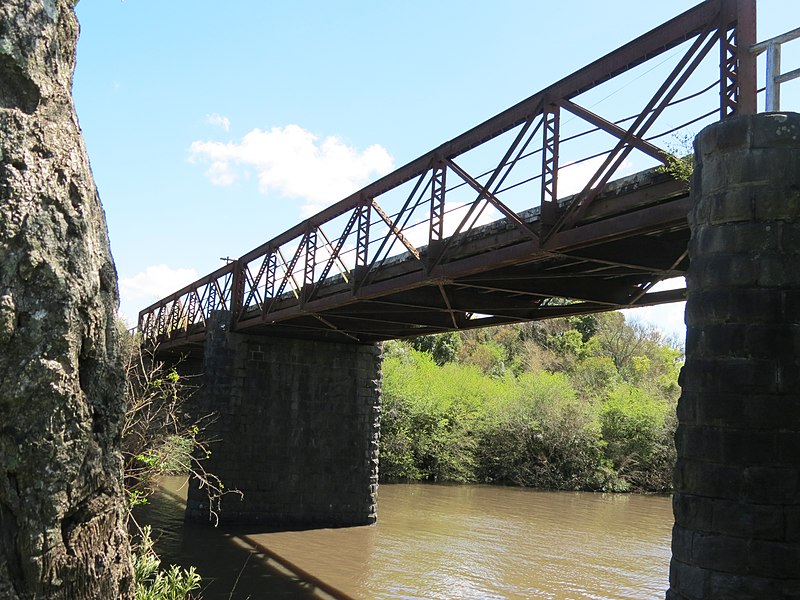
773, 100
438, 186
550, 132
272, 270
211, 300
160, 327
362, 234
174, 315
737, 65
311, 263
237, 291
728, 86
364, 211
191, 313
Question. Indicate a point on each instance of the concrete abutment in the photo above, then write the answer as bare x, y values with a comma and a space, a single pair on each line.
296, 429
737, 478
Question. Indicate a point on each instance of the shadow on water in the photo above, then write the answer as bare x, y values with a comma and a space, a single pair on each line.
242, 567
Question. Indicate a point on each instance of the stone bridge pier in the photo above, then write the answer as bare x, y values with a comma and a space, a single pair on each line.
296, 429
737, 478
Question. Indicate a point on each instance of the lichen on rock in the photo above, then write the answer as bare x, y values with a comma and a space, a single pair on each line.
62, 528
8, 318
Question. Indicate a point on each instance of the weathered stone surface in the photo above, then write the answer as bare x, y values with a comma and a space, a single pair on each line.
737, 477
297, 429
61, 383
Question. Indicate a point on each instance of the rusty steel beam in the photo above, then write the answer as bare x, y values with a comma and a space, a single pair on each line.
450, 308
574, 289
289, 270
485, 194
377, 331
617, 131
423, 319
330, 325
254, 281
335, 252
393, 229
395, 305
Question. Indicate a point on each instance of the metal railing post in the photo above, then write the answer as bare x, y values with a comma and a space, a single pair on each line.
774, 77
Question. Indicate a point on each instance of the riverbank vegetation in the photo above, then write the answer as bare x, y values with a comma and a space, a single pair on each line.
158, 438
582, 403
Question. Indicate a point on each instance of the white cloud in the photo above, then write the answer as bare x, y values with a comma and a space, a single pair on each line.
219, 121
220, 174
294, 163
144, 288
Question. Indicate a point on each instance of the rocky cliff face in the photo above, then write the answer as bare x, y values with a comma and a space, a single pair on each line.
62, 529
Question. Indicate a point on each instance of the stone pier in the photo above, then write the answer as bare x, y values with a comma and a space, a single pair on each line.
296, 430
737, 479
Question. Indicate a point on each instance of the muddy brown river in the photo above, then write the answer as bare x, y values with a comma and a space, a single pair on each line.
432, 542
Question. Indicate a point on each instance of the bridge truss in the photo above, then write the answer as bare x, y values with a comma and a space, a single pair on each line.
446, 242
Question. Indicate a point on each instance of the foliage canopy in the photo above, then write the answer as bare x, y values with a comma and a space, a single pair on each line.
580, 403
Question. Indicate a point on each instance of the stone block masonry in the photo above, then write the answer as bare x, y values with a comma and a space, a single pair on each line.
737, 478
296, 430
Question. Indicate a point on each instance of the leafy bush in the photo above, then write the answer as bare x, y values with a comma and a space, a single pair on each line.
429, 414
544, 436
444, 348
153, 583
596, 376
160, 438
638, 428
579, 403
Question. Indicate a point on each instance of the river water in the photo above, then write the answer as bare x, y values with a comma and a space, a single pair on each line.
434, 542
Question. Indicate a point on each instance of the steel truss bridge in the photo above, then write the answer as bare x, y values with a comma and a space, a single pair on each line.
446, 243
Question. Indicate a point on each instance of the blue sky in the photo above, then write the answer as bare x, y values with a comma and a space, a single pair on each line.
212, 127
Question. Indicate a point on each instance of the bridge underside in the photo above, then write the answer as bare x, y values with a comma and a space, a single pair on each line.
634, 235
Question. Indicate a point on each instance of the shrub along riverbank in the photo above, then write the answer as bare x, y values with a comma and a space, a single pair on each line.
584, 403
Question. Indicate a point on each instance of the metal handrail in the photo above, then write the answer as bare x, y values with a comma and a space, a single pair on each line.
772, 47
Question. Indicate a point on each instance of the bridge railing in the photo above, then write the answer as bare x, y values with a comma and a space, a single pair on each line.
514, 166
774, 76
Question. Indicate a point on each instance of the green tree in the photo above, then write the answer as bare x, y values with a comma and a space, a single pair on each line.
444, 347
575, 403
638, 428
543, 436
